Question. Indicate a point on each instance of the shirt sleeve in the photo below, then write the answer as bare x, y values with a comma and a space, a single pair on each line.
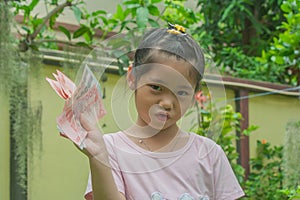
116, 172
113, 160
88, 192
226, 184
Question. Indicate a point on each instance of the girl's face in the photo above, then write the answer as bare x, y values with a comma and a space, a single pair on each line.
164, 93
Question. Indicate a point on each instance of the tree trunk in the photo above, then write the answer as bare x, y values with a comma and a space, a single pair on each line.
249, 34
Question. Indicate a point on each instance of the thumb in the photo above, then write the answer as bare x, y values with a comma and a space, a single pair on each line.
88, 121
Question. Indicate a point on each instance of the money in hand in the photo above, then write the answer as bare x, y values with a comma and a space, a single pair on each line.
86, 97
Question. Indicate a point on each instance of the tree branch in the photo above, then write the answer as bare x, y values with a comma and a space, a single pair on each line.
48, 16
161, 14
61, 42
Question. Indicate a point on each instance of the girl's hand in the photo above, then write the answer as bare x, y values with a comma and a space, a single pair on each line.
94, 145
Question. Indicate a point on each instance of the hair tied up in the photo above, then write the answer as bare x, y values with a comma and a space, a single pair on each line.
176, 29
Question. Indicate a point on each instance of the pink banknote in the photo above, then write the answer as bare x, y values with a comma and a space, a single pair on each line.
85, 97
63, 86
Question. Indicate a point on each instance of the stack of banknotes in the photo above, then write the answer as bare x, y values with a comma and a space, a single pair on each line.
79, 99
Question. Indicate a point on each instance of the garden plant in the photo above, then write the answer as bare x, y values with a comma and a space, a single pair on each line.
274, 170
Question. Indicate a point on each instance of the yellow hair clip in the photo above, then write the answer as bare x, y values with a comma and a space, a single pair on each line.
176, 29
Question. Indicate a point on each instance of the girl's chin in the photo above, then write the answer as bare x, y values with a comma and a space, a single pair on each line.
153, 126
157, 123
160, 126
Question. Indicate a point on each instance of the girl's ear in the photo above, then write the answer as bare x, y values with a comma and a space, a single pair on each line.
130, 79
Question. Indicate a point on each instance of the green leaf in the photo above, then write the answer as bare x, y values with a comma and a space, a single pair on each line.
104, 20
119, 14
279, 60
98, 12
52, 20
286, 7
77, 13
250, 129
132, 6
33, 4
127, 12
263, 54
155, 1
88, 37
65, 31
82, 44
117, 43
279, 46
79, 32
36, 21
54, 2
26, 29
130, 1
34, 47
153, 23
142, 14
227, 11
153, 10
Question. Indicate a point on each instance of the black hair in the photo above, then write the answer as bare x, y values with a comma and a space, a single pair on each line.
161, 41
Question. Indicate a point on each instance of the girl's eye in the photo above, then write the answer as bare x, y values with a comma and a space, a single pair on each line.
182, 93
156, 87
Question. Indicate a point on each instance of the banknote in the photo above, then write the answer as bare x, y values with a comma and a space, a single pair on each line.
85, 97
63, 86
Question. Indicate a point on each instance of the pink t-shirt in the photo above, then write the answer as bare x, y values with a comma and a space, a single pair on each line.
198, 171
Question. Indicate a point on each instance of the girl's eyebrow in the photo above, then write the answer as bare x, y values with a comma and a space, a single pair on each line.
156, 80
163, 83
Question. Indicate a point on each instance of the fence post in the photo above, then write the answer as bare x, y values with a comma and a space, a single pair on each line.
242, 106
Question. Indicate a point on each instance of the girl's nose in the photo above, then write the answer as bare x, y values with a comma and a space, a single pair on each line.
166, 102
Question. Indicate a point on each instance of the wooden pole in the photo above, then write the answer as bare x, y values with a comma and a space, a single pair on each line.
242, 106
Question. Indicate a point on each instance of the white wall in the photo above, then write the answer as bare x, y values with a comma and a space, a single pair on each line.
107, 5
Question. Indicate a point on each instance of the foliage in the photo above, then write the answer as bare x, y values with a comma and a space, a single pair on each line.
226, 34
248, 39
142, 13
177, 13
237, 64
268, 170
36, 28
265, 178
292, 193
291, 154
284, 50
7, 50
229, 22
227, 120
254, 39
25, 116
218, 33
275, 170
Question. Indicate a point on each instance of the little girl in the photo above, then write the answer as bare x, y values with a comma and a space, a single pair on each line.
154, 159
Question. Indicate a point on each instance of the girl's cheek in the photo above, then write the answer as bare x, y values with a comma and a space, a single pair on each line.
184, 105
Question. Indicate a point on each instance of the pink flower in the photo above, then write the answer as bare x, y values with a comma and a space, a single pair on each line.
200, 98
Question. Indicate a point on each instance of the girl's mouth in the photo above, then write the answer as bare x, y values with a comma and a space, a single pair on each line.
162, 116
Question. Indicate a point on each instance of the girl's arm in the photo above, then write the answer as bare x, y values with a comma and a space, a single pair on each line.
103, 183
